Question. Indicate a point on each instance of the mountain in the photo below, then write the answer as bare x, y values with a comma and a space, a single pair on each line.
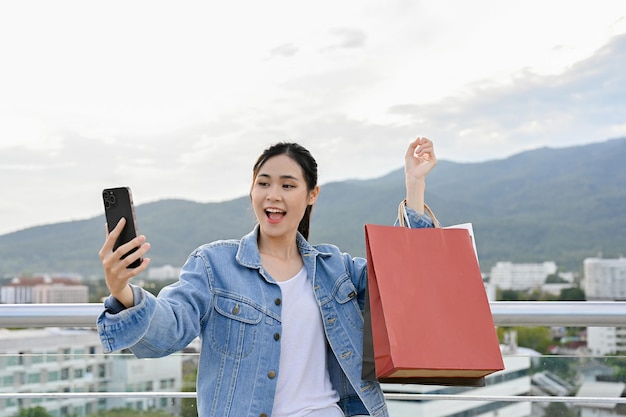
561, 204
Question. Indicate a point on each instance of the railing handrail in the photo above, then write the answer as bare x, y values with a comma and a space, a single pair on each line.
388, 396
505, 313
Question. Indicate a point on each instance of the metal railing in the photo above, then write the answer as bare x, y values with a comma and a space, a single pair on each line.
505, 313
560, 313
388, 396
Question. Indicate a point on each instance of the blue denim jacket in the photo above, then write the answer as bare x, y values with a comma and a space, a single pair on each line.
226, 297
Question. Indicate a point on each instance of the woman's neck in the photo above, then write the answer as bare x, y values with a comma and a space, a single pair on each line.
283, 247
280, 257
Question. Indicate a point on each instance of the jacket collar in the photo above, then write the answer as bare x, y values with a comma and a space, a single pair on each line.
248, 252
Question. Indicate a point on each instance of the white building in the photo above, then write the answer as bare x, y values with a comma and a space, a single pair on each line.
601, 390
605, 279
55, 360
606, 340
510, 276
163, 273
60, 293
44, 289
514, 380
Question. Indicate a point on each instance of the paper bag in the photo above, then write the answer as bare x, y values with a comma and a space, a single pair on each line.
427, 316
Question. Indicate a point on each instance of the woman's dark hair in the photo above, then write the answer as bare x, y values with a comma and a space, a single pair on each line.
309, 169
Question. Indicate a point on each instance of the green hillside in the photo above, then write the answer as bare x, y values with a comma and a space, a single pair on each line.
547, 204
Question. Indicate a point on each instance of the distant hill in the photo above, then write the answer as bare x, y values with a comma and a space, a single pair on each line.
548, 204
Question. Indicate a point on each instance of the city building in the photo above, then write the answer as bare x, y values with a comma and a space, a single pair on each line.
513, 380
53, 360
44, 289
606, 340
605, 279
163, 273
511, 276
605, 390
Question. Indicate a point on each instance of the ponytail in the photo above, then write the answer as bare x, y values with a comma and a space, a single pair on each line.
303, 227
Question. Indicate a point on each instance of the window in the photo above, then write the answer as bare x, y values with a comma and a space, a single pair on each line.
34, 378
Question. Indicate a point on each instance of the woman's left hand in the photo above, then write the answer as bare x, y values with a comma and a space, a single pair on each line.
420, 158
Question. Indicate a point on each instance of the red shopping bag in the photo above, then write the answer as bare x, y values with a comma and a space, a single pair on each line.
427, 316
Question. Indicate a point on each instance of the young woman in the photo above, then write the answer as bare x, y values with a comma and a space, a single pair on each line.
280, 320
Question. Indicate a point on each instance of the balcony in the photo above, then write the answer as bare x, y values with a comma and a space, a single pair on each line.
83, 382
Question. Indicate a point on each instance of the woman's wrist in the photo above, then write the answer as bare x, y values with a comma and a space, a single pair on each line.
415, 188
126, 297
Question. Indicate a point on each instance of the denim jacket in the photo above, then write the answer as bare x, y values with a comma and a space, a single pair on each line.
225, 297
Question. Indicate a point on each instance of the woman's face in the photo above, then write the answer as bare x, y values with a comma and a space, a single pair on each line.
280, 196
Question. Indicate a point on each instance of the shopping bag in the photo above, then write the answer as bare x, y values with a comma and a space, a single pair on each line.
427, 316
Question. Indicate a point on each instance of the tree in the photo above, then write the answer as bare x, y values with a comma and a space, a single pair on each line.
509, 295
572, 294
189, 405
536, 338
33, 412
129, 412
555, 279
562, 366
558, 410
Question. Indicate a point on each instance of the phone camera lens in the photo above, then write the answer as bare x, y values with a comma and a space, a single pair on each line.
109, 198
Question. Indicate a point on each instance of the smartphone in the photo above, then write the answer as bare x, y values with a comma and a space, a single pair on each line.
118, 203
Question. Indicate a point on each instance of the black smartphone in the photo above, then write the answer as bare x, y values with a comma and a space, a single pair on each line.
118, 203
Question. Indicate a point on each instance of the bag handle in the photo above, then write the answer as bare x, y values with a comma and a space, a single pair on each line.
404, 220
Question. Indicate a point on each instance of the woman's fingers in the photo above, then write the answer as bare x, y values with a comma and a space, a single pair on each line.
112, 259
111, 237
425, 147
420, 147
410, 152
139, 243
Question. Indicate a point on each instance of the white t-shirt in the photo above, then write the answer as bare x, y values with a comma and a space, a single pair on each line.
303, 386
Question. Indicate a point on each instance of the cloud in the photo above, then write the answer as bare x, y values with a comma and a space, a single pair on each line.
212, 161
584, 104
349, 38
286, 50
184, 112
346, 38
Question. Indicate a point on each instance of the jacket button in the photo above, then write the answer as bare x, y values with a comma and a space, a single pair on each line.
277, 301
276, 336
271, 374
262, 415
352, 294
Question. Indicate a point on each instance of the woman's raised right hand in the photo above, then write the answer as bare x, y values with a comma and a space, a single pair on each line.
116, 271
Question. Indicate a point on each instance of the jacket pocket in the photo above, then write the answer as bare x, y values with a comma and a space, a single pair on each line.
234, 325
346, 296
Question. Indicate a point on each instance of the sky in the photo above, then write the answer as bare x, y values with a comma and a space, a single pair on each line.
177, 99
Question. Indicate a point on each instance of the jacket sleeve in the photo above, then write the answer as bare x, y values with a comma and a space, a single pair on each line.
159, 326
416, 220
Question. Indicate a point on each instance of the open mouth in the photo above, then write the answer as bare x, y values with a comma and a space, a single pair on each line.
275, 215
